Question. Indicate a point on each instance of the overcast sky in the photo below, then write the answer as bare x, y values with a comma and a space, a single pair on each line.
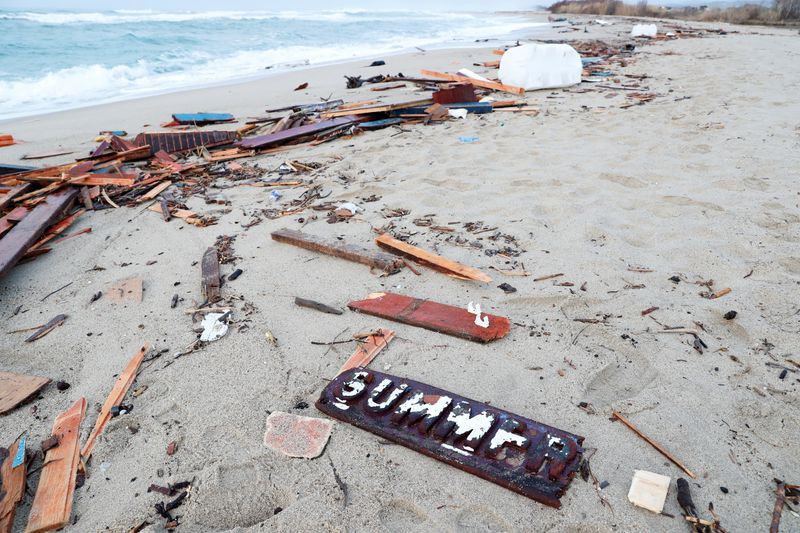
202, 5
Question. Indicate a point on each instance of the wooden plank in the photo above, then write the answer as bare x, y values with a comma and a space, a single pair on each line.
155, 191
351, 252
14, 244
431, 260
179, 213
16, 388
56, 229
47, 328
384, 108
15, 215
262, 141
115, 397
14, 192
52, 504
311, 304
12, 489
127, 289
104, 179
431, 315
45, 155
477, 83
367, 351
209, 282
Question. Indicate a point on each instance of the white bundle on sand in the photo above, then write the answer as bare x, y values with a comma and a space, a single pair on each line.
644, 30
541, 66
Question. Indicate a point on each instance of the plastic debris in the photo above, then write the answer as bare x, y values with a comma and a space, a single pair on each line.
457, 113
214, 327
644, 30
541, 66
649, 490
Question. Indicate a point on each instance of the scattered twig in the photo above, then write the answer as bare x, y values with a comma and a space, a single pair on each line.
652, 443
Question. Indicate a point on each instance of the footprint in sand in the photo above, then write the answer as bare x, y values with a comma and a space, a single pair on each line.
620, 380
625, 181
402, 515
480, 519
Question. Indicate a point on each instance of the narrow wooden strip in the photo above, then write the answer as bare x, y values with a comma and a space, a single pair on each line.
13, 193
351, 252
56, 229
12, 488
366, 352
431, 260
210, 275
311, 304
653, 443
376, 109
47, 328
115, 397
478, 83
52, 504
15, 215
103, 179
155, 191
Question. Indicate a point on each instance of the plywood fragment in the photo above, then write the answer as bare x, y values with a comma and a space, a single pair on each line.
649, 490
12, 485
16, 388
367, 351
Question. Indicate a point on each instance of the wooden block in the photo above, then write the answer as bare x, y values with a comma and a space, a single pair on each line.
477, 83
297, 436
12, 487
209, 282
351, 252
52, 504
431, 260
455, 94
649, 490
127, 289
16, 388
14, 243
367, 351
115, 397
431, 315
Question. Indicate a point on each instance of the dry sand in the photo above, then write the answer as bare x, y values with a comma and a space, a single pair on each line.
700, 183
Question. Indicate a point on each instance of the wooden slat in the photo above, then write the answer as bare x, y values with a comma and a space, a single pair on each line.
477, 83
52, 504
210, 275
432, 315
385, 108
15, 215
155, 191
115, 397
366, 352
104, 179
14, 244
16, 388
56, 229
12, 488
263, 141
431, 260
13, 193
351, 252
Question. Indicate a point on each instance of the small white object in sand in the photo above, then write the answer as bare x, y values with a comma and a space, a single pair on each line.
213, 327
649, 490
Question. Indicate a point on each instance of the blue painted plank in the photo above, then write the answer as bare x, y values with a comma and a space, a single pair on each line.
202, 118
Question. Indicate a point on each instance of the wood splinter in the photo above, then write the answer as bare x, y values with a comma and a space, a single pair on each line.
654, 444
311, 304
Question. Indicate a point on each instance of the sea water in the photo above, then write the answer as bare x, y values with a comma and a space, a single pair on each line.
58, 60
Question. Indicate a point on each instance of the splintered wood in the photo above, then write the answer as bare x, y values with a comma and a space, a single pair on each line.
123, 383
431, 260
52, 504
12, 486
367, 351
351, 252
210, 275
16, 388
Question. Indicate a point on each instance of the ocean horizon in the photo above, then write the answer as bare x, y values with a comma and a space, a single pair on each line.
57, 60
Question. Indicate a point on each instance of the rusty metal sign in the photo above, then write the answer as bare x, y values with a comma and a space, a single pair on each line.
531, 458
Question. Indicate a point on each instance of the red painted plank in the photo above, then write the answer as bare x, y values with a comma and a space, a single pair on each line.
294, 133
14, 244
431, 315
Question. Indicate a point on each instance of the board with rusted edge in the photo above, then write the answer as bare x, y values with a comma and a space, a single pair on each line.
431, 315
351, 252
531, 458
52, 504
16, 388
12, 487
14, 243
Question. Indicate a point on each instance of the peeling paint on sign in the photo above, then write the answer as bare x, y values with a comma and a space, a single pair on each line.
526, 456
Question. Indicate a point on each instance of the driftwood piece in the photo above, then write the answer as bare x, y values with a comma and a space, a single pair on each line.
653, 443
431, 260
16, 388
14, 244
367, 351
780, 498
121, 386
12, 487
351, 252
311, 304
47, 328
431, 315
52, 504
210, 275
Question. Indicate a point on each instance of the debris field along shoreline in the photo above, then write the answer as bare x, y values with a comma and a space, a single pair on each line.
615, 258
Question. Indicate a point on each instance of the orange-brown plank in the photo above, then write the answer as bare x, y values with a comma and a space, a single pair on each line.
16, 388
436, 262
477, 83
16, 214
52, 504
115, 398
367, 351
12, 489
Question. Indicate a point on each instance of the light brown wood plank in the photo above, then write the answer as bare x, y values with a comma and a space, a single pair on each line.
16, 388
12, 489
431, 260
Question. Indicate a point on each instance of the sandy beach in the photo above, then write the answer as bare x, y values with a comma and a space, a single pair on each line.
698, 184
